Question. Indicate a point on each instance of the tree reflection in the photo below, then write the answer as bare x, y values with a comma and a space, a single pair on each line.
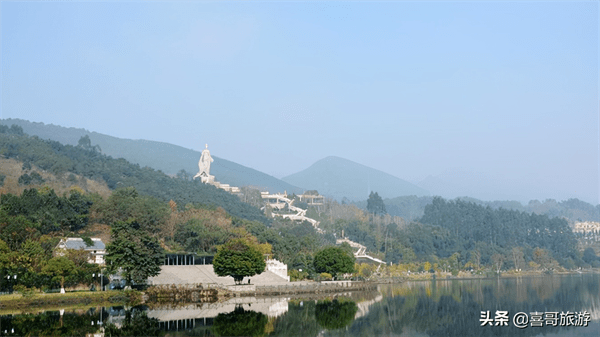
136, 323
454, 308
335, 314
240, 322
50, 323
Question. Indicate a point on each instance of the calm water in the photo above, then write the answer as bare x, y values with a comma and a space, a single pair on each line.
428, 308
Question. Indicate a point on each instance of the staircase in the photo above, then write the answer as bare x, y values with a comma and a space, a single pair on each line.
204, 274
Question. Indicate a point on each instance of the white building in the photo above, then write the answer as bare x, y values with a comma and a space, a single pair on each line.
97, 250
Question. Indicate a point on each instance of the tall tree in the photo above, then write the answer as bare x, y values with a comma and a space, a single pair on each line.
334, 260
135, 251
375, 204
60, 267
238, 258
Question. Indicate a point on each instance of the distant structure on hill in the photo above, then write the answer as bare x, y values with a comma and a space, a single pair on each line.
587, 227
312, 200
204, 173
97, 250
281, 201
587, 232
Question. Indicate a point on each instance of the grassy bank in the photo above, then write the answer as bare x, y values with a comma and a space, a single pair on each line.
85, 298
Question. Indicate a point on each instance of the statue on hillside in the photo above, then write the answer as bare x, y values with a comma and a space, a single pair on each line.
204, 164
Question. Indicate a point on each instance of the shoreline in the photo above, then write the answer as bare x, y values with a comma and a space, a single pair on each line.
40, 301
83, 299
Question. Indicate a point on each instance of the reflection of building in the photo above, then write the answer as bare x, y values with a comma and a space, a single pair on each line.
363, 307
195, 315
97, 250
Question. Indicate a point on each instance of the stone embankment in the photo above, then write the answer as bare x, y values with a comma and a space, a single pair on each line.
214, 292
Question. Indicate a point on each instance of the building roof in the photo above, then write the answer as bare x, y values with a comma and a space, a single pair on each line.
77, 243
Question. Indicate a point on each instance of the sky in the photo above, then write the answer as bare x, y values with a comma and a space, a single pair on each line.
504, 90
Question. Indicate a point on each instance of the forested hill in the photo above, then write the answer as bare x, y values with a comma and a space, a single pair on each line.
168, 158
87, 161
413, 207
489, 230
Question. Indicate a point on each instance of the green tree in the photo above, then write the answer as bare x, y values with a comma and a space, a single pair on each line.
60, 267
238, 258
200, 235
86, 143
127, 203
36, 254
375, 204
334, 260
589, 255
135, 251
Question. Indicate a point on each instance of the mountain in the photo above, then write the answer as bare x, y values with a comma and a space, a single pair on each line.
166, 157
338, 178
39, 157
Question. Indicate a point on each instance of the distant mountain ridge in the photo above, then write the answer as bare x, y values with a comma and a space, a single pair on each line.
337, 178
166, 157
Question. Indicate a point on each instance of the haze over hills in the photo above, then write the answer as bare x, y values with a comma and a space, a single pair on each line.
333, 176
338, 178
575, 210
459, 183
166, 157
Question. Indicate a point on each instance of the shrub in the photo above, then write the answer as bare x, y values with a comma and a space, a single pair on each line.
326, 276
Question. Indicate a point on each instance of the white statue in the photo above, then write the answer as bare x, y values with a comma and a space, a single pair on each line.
204, 164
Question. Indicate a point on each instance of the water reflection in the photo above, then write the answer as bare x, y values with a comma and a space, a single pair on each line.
428, 308
453, 307
240, 322
135, 323
335, 314
54, 323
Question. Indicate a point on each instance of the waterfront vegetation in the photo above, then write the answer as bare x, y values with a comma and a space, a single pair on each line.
39, 301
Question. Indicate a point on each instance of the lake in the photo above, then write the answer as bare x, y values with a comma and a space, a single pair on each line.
552, 305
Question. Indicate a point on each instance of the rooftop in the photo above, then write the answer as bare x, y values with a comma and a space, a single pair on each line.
77, 243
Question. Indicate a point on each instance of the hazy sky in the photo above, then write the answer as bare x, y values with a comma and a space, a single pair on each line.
508, 90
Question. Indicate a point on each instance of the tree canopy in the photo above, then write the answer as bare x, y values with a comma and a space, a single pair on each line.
334, 261
60, 267
135, 251
238, 258
375, 204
